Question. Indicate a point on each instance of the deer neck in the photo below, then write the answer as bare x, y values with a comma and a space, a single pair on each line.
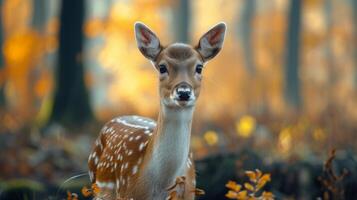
171, 143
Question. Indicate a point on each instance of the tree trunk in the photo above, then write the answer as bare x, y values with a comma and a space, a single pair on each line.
71, 101
354, 12
246, 31
292, 82
328, 8
2, 95
182, 21
39, 14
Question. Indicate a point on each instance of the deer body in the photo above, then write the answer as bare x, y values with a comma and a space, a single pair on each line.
117, 173
137, 158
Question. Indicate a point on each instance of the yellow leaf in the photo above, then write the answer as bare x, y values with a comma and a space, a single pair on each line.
238, 188
252, 176
242, 195
248, 186
263, 180
265, 177
259, 173
233, 186
267, 196
231, 194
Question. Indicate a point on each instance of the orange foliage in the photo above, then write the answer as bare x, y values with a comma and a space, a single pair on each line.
257, 182
44, 85
16, 15
20, 50
126, 68
23, 52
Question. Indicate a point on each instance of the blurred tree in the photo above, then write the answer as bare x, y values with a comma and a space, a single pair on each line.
328, 8
38, 23
292, 82
2, 96
39, 14
182, 21
71, 102
246, 26
354, 14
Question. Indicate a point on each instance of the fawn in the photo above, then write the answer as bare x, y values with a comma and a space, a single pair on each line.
137, 158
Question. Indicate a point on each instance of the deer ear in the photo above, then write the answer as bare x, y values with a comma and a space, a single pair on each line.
148, 43
212, 41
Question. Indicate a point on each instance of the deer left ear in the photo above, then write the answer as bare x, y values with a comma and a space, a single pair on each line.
212, 41
148, 43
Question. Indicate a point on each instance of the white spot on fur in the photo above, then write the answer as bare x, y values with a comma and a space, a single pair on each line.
135, 169
119, 120
109, 185
141, 146
118, 184
91, 175
130, 152
140, 159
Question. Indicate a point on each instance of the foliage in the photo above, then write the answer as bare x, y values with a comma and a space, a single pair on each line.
331, 181
257, 181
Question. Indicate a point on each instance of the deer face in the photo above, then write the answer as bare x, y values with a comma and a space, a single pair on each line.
179, 66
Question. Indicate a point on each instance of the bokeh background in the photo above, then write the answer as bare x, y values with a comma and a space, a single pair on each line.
279, 97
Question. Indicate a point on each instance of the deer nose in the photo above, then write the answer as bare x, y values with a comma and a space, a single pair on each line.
183, 91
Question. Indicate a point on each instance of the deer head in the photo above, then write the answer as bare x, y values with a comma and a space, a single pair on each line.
179, 65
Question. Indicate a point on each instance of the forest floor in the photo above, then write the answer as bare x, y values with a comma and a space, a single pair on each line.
34, 165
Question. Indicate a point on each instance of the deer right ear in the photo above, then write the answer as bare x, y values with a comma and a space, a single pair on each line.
212, 41
148, 42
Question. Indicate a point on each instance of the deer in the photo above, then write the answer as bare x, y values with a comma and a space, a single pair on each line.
138, 158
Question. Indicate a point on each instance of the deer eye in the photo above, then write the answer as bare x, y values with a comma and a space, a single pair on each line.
162, 69
199, 69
